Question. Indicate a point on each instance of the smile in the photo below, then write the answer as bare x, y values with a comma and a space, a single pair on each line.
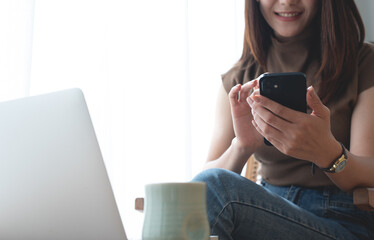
293, 14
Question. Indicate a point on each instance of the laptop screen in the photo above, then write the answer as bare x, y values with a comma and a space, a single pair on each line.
53, 181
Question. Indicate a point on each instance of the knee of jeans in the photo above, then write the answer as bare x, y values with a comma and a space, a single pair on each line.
222, 186
214, 175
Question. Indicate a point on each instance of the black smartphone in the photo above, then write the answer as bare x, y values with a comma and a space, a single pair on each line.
288, 89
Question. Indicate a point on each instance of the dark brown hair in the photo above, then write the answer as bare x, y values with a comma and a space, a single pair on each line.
341, 35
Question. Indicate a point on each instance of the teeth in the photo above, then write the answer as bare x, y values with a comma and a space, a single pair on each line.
288, 14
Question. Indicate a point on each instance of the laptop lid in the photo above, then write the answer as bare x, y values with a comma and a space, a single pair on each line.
53, 181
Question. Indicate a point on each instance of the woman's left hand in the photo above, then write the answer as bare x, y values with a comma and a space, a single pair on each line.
299, 135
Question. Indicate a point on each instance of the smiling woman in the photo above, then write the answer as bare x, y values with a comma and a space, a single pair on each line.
325, 41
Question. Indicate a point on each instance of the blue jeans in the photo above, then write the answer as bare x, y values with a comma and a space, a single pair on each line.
241, 209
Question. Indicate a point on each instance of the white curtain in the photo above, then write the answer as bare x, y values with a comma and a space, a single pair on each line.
150, 71
16, 21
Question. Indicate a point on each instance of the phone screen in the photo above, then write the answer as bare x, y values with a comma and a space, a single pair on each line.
288, 89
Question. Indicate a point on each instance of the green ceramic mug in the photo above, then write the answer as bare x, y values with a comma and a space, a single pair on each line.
175, 211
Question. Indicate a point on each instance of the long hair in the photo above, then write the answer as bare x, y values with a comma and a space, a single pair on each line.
341, 35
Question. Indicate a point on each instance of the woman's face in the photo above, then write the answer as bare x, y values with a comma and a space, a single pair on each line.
288, 18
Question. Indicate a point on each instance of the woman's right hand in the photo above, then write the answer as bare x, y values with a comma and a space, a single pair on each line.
246, 135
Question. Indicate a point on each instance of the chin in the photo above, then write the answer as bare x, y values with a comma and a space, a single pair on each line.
287, 34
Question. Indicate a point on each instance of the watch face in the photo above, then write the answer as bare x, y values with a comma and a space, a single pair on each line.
341, 165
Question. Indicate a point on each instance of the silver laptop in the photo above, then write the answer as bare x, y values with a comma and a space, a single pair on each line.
53, 181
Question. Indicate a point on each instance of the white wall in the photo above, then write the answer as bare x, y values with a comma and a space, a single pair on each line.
366, 8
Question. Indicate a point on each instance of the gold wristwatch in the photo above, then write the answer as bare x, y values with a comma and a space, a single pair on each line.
339, 164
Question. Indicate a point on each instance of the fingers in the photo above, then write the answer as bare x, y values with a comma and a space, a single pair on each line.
255, 92
265, 119
239, 93
315, 103
233, 94
251, 84
246, 88
281, 111
269, 133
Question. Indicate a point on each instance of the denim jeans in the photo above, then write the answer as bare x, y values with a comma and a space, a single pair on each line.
241, 209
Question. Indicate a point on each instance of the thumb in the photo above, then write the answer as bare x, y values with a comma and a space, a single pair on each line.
315, 103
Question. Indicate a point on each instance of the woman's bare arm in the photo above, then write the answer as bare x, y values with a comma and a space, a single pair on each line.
360, 166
